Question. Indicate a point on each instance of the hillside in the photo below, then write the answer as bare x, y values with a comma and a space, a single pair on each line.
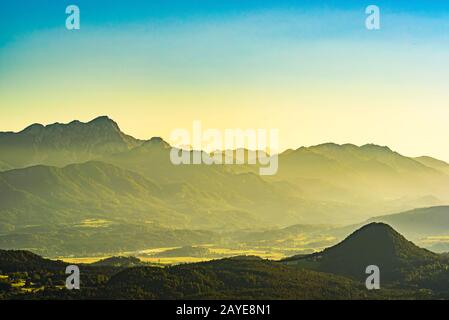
96, 190
232, 191
434, 163
233, 278
373, 244
93, 190
25, 261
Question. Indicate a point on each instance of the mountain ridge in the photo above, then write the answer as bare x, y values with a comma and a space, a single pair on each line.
106, 121
61, 144
67, 173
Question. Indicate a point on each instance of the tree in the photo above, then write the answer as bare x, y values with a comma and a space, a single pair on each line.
5, 286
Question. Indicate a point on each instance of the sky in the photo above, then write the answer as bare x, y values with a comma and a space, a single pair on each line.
308, 68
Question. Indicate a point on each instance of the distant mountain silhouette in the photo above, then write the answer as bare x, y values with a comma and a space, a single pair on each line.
120, 262
186, 251
422, 224
62, 144
419, 222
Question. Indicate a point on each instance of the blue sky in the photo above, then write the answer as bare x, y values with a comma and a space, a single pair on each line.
24, 16
311, 70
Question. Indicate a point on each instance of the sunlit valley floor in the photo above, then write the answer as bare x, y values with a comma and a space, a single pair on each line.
277, 244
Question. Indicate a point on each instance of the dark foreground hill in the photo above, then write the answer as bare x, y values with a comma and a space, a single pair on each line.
236, 278
232, 278
374, 244
25, 261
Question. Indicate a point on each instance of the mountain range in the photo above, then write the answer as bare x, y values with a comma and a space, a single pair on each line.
91, 179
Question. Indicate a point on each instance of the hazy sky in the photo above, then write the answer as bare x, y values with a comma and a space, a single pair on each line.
312, 71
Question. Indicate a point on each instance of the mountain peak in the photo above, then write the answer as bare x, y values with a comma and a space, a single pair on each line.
345, 146
379, 238
59, 144
328, 145
100, 126
101, 119
34, 128
104, 121
157, 141
375, 147
373, 244
376, 226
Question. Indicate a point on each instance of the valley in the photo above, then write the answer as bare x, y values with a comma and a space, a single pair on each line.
337, 272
